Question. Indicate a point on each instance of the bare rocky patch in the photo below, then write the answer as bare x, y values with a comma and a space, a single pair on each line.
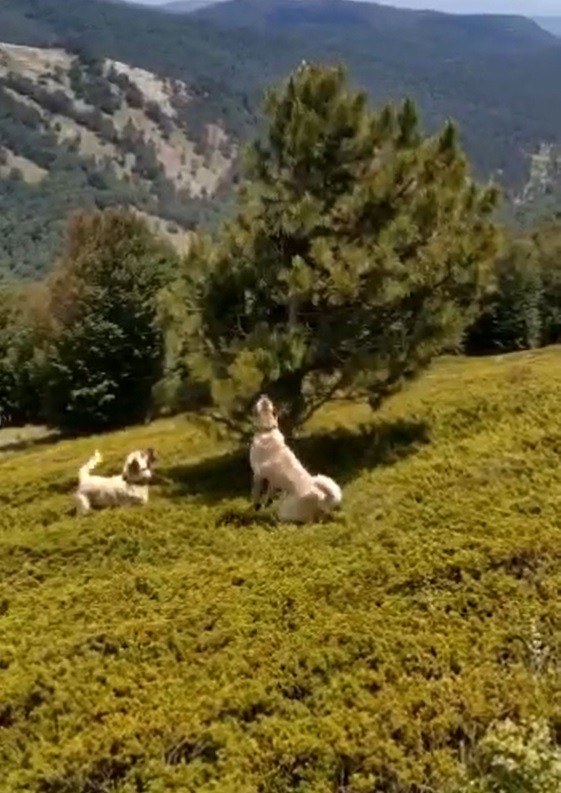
11, 164
119, 118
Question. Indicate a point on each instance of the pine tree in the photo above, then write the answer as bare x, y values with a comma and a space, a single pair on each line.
357, 254
547, 240
511, 316
523, 310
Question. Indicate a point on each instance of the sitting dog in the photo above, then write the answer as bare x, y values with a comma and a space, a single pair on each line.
305, 497
129, 487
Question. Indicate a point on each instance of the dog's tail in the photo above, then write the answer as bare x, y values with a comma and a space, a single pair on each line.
86, 469
330, 489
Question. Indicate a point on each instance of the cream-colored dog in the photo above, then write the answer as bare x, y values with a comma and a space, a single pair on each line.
129, 487
305, 497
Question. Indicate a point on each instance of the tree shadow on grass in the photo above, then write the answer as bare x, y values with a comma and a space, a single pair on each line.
341, 454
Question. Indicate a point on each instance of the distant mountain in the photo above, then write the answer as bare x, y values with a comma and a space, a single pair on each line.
77, 132
551, 24
446, 35
497, 75
186, 6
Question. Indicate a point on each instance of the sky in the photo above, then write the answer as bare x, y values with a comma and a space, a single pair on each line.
531, 8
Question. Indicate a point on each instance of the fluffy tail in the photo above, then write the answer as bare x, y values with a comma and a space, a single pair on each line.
330, 489
86, 469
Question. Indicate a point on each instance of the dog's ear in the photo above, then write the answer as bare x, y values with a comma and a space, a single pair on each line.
133, 467
151, 455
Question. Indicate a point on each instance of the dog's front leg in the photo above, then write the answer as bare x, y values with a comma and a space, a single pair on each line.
269, 493
256, 490
82, 504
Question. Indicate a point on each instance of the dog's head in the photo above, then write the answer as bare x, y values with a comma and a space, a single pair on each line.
265, 413
137, 469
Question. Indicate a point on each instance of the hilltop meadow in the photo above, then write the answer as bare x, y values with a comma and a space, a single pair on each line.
195, 645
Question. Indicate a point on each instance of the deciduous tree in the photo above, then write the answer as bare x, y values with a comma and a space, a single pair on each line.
105, 349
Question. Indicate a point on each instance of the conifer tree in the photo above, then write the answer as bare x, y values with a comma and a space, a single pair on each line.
357, 254
547, 241
511, 316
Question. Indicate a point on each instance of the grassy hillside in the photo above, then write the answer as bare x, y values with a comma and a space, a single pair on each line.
197, 646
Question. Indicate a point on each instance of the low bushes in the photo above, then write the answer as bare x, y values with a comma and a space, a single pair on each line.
196, 646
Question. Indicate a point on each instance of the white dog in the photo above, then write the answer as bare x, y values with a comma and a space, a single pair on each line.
129, 487
305, 497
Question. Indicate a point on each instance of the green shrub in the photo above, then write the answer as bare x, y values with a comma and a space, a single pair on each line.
517, 759
512, 315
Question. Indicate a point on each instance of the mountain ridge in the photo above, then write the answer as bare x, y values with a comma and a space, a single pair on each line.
257, 13
185, 6
552, 24
502, 93
102, 133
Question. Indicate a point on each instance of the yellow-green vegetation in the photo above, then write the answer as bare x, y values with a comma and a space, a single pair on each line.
196, 646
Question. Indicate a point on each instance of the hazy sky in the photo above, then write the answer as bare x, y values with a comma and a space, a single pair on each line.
525, 7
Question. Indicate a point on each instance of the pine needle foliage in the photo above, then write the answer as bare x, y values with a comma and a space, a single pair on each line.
357, 254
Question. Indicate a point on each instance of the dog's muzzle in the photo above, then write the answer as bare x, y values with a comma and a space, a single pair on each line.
141, 478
